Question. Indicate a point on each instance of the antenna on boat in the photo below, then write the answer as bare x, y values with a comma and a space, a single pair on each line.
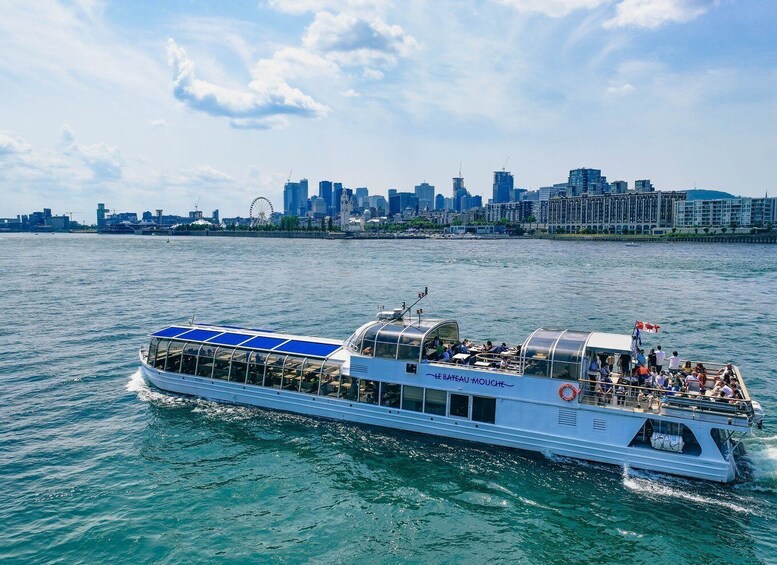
191, 322
406, 309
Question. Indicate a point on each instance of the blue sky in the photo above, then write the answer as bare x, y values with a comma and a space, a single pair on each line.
146, 105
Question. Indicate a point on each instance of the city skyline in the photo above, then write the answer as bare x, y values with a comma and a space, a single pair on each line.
133, 104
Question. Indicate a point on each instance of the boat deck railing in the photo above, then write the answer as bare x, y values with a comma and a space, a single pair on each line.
634, 398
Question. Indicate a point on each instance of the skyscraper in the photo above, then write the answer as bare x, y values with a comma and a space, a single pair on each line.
361, 194
459, 192
439, 202
337, 193
325, 192
503, 186
295, 198
425, 194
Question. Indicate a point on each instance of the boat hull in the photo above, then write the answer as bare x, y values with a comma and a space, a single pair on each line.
698, 467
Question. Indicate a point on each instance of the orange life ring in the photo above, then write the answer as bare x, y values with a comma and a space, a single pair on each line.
563, 388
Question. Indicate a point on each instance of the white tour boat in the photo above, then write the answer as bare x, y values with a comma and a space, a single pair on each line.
539, 396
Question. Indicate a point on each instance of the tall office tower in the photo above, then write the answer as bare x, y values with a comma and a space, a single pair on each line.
101, 216
439, 202
325, 192
425, 194
361, 193
459, 192
586, 181
643, 185
619, 187
295, 198
337, 193
503, 186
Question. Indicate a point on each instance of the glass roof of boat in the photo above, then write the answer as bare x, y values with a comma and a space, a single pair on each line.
227, 337
554, 353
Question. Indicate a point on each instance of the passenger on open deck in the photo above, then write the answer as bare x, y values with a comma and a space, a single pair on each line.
727, 372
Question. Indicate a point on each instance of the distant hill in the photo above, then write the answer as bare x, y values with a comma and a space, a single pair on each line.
702, 194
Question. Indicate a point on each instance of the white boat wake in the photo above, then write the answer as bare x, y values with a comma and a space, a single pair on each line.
655, 486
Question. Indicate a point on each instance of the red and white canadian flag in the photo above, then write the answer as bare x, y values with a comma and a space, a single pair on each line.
648, 328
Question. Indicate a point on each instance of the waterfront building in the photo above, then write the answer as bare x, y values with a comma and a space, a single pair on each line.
295, 198
586, 181
439, 202
619, 187
503, 186
424, 192
726, 212
101, 211
513, 212
643, 185
638, 212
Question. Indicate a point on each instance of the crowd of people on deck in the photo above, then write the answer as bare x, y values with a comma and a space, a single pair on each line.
648, 379
455, 352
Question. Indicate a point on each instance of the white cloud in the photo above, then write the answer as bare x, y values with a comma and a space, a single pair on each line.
620, 89
354, 41
351, 93
303, 6
553, 8
157, 124
12, 145
269, 96
105, 162
655, 13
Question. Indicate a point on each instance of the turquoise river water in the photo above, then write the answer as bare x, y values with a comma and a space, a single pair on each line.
95, 467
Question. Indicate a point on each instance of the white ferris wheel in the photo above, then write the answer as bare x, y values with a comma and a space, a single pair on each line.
261, 211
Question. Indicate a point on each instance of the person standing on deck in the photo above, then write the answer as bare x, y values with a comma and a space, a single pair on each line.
674, 362
660, 358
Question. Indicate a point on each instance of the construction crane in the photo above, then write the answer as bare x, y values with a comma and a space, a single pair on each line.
504, 168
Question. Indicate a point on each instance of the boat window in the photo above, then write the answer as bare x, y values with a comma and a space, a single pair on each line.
174, 353
189, 359
205, 361
537, 352
274, 376
386, 344
292, 373
368, 340
151, 355
390, 394
410, 344
413, 398
256, 366
459, 405
448, 332
435, 401
221, 363
484, 409
349, 388
330, 379
160, 356
368, 391
237, 372
567, 355
311, 373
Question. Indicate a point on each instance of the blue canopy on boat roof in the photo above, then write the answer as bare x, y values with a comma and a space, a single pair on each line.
296, 346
